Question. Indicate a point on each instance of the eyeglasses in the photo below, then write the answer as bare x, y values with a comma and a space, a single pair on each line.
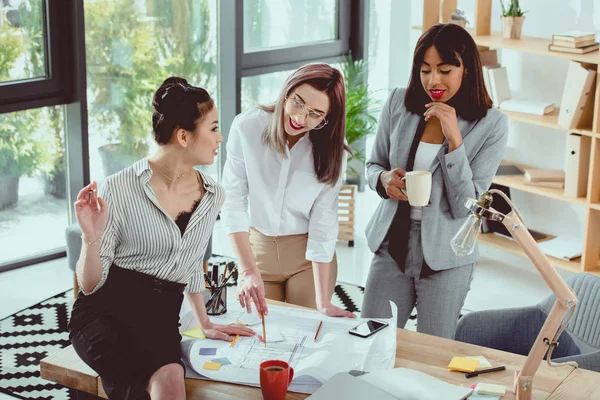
297, 107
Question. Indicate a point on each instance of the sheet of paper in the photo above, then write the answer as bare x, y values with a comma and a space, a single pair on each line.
490, 388
409, 384
314, 363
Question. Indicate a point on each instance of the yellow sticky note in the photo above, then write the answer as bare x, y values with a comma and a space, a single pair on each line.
195, 333
491, 389
213, 366
463, 364
483, 362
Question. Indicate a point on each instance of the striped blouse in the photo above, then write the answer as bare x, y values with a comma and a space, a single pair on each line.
142, 237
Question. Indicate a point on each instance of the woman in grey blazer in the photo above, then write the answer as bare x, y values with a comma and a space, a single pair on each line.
444, 123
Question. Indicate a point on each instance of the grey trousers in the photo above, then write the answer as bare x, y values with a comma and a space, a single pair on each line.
438, 297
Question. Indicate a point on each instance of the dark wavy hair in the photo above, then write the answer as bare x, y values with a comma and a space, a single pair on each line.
177, 104
453, 43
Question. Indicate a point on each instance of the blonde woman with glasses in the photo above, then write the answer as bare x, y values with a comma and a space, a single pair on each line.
282, 179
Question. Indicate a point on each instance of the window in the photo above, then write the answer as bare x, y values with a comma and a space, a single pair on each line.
33, 190
131, 48
262, 89
275, 23
22, 40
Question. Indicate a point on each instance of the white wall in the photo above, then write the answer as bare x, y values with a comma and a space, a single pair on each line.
530, 77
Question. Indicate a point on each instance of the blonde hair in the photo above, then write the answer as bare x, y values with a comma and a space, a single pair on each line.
328, 143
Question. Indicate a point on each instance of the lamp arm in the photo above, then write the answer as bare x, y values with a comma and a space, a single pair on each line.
565, 300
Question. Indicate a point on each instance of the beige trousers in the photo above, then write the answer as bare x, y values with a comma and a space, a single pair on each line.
287, 274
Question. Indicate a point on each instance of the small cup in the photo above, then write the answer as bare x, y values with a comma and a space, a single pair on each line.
418, 187
275, 378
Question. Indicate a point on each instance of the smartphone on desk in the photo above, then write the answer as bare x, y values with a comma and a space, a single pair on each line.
367, 328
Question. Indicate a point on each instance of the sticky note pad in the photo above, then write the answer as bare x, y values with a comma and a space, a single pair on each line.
195, 333
208, 351
222, 361
212, 366
491, 389
463, 364
483, 362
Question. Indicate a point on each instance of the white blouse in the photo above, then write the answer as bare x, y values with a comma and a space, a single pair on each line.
426, 153
274, 194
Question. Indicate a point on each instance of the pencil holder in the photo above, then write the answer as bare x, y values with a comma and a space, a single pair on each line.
216, 300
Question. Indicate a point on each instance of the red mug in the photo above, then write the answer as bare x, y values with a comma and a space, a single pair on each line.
275, 377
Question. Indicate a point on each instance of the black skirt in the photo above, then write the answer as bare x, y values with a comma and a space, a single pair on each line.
127, 330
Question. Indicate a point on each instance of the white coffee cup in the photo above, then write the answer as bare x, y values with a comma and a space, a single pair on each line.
418, 187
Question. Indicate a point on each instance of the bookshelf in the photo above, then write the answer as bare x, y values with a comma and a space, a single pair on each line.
435, 11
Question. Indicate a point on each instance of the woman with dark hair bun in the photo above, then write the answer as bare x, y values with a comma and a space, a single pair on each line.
144, 239
443, 123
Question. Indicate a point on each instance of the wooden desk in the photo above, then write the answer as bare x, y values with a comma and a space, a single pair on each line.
414, 350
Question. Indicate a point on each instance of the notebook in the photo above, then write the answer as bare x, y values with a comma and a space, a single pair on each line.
565, 247
544, 175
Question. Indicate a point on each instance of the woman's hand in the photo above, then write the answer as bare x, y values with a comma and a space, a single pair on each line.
334, 311
448, 120
91, 212
225, 332
252, 287
392, 183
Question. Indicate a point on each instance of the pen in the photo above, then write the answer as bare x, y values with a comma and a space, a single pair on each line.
234, 340
318, 330
262, 315
483, 371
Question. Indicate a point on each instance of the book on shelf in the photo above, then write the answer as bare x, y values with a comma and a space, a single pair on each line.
564, 247
574, 50
577, 104
578, 165
574, 36
502, 96
552, 185
528, 106
573, 45
544, 175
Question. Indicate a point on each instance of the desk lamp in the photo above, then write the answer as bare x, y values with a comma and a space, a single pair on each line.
463, 244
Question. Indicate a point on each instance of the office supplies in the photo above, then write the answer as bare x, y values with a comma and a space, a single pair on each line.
491, 389
211, 366
217, 290
509, 169
483, 362
463, 243
578, 165
207, 351
314, 363
222, 361
215, 274
499, 91
262, 316
463, 364
232, 343
196, 333
577, 94
483, 371
318, 329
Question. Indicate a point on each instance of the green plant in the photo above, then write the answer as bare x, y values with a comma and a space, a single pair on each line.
513, 9
360, 108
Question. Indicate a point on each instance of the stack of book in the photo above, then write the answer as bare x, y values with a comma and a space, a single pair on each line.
550, 178
576, 42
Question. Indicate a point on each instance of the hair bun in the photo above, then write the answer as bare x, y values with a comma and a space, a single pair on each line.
169, 97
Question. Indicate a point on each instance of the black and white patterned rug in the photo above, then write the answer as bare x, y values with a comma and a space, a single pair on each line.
34, 333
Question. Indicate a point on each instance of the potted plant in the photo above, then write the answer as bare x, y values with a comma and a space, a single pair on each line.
512, 19
360, 120
123, 74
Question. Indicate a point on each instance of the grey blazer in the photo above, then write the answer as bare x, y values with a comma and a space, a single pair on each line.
466, 172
